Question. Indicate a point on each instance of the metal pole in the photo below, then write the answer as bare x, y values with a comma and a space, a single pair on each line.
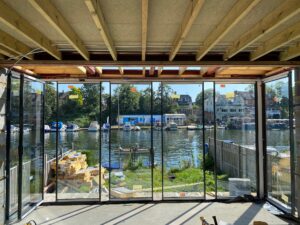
203, 143
118, 109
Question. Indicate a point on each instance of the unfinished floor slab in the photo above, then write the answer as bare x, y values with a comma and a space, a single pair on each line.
160, 213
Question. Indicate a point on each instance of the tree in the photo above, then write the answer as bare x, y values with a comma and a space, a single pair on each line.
50, 103
91, 96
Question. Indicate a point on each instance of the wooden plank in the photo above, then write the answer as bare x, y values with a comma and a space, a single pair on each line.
144, 27
191, 14
14, 45
236, 14
12, 19
276, 71
277, 17
159, 70
241, 72
99, 70
134, 63
152, 69
7, 52
181, 70
121, 70
280, 39
290, 53
56, 19
97, 15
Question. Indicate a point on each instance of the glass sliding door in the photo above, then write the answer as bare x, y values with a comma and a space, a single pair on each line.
235, 145
278, 154
209, 133
50, 141
105, 139
78, 132
130, 163
183, 175
13, 145
32, 149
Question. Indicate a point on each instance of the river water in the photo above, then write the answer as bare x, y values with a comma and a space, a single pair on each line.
178, 146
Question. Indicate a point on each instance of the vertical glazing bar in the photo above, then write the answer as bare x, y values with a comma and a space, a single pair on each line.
292, 146
8, 137
203, 144
151, 150
215, 141
264, 138
43, 140
56, 145
21, 130
162, 138
256, 141
100, 142
109, 144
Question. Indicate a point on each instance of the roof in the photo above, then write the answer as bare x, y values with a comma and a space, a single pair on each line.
81, 38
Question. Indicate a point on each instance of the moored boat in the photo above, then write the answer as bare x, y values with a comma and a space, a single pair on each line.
60, 127
94, 126
72, 127
172, 126
127, 127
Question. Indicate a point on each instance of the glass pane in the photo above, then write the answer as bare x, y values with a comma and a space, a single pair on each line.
14, 142
278, 141
3, 86
235, 140
182, 141
50, 141
78, 128
209, 120
157, 140
130, 152
105, 135
32, 168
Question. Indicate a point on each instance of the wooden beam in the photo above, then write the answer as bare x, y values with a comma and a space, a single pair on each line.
134, 63
121, 70
191, 14
280, 39
12, 19
181, 70
277, 17
144, 27
236, 14
277, 71
99, 70
7, 52
56, 19
151, 71
159, 70
97, 15
290, 53
14, 45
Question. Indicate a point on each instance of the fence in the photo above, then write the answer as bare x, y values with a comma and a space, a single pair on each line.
234, 160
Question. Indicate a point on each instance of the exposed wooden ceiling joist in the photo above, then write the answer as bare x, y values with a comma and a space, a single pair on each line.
181, 70
144, 28
56, 19
97, 15
290, 53
14, 45
277, 17
12, 19
7, 52
238, 12
190, 15
159, 70
280, 39
121, 70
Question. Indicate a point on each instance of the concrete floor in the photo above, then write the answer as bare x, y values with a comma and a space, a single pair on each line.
160, 213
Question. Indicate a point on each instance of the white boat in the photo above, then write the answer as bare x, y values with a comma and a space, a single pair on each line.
72, 127
195, 127
61, 127
94, 126
26, 128
105, 127
157, 126
127, 127
47, 128
208, 127
171, 126
222, 127
136, 128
